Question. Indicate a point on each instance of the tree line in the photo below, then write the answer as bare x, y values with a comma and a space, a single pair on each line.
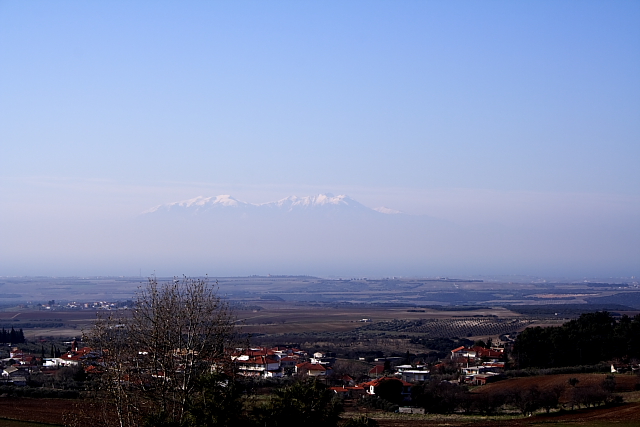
12, 336
442, 397
587, 340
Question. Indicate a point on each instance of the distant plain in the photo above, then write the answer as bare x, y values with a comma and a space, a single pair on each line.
285, 305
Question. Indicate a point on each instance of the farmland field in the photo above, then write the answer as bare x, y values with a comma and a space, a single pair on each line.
47, 411
624, 383
389, 329
44, 323
16, 423
282, 318
454, 327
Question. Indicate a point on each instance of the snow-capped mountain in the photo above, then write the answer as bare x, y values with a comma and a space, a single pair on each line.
386, 210
200, 204
292, 203
298, 231
321, 202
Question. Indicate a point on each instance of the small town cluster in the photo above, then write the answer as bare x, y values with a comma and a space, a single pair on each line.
476, 365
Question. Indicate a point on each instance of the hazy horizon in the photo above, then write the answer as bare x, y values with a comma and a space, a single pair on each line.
511, 129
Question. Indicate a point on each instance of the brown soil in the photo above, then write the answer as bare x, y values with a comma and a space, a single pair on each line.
624, 383
51, 411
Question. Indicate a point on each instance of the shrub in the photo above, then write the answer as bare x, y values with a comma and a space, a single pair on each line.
490, 403
439, 397
361, 421
307, 403
376, 402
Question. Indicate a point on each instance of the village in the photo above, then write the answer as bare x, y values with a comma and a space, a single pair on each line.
475, 366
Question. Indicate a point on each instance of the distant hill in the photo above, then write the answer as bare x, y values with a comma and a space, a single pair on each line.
321, 203
296, 234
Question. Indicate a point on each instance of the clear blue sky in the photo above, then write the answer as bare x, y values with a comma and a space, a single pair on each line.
478, 111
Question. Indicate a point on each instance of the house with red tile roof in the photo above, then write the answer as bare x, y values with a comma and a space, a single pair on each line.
478, 365
312, 369
376, 371
75, 357
459, 352
289, 363
345, 379
488, 353
348, 392
371, 386
482, 379
15, 375
472, 355
257, 365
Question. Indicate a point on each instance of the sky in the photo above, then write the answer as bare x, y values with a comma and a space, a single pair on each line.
521, 117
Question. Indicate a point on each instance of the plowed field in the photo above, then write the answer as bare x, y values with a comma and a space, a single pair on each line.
51, 411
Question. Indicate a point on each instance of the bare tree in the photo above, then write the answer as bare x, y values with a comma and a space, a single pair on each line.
155, 353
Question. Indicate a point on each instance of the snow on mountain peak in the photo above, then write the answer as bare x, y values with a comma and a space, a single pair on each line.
291, 203
328, 199
199, 203
227, 200
386, 210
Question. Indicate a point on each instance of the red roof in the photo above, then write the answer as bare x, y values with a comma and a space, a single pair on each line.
378, 381
494, 364
487, 352
480, 351
311, 366
259, 360
378, 369
91, 369
346, 389
71, 356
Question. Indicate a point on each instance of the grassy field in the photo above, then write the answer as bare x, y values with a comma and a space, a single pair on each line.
625, 415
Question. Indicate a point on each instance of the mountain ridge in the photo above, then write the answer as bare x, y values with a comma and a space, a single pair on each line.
326, 201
